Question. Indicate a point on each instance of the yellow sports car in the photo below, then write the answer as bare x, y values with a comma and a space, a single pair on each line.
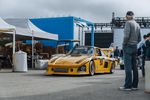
81, 60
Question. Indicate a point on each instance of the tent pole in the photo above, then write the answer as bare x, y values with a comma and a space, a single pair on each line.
32, 49
14, 41
79, 38
14, 46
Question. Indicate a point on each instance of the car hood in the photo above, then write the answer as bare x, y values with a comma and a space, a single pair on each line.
70, 59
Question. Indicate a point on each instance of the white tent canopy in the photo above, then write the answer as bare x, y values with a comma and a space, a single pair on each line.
20, 32
27, 28
4, 27
23, 32
30, 30
40, 33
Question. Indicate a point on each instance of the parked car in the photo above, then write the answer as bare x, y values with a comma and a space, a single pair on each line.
121, 63
81, 60
138, 62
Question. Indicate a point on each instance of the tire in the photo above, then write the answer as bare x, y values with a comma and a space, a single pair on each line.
91, 68
122, 67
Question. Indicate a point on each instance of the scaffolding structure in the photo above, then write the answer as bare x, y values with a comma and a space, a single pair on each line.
119, 22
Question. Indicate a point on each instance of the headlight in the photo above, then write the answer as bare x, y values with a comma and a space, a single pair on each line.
82, 69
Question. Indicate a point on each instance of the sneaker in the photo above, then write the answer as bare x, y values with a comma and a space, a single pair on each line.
125, 89
134, 89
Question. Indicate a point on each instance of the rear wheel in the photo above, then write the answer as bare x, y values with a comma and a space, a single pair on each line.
91, 68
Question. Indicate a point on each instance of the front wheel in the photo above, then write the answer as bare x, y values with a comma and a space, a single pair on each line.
91, 68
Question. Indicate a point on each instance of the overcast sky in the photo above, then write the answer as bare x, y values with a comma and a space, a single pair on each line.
92, 10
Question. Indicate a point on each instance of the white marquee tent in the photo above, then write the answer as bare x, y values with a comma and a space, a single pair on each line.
30, 31
40, 33
4, 27
10, 29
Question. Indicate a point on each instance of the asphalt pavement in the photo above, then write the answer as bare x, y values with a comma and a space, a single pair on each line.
34, 85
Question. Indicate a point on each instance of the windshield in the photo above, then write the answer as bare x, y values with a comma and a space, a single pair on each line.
82, 50
103, 53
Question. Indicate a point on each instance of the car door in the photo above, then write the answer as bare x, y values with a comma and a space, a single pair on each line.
99, 61
106, 63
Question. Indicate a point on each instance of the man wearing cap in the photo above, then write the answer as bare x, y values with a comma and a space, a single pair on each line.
132, 37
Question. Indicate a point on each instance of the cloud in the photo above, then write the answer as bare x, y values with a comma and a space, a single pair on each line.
93, 10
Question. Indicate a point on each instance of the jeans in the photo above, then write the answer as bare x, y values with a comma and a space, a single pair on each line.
131, 70
143, 65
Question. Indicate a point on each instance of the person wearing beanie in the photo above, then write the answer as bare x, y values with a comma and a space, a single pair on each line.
132, 37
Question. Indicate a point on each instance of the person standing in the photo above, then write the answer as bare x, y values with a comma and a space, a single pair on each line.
116, 52
142, 53
132, 37
147, 43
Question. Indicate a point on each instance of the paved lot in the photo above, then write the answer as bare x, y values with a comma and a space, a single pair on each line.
35, 86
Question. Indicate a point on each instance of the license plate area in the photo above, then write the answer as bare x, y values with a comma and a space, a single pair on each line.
63, 70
